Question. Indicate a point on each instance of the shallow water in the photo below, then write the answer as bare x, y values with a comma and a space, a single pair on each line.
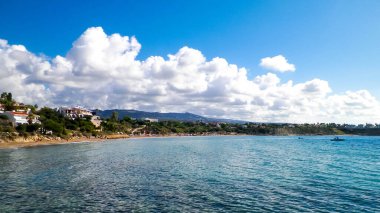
197, 174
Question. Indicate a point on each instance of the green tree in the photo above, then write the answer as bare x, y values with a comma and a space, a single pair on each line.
54, 126
7, 100
114, 116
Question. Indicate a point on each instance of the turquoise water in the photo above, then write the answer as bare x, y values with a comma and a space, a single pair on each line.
194, 174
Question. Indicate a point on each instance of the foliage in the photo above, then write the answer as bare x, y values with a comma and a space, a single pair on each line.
54, 126
3, 117
7, 100
5, 124
114, 116
124, 125
54, 122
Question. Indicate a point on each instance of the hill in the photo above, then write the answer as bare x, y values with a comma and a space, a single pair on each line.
136, 114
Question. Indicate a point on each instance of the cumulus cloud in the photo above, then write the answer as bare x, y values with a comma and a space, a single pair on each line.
277, 63
101, 71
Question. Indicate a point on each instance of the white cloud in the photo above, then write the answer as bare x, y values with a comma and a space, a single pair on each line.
277, 63
101, 71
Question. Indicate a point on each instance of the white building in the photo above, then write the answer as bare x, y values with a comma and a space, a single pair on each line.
17, 118
96, 121
74, 112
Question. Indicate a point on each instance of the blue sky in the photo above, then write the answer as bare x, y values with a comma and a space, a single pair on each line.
334, 45
338, 40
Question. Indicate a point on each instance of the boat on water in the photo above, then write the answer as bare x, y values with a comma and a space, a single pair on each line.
337, 139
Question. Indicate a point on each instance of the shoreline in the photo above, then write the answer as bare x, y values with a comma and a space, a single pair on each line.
58, 141
104, 139
29, 142
42, 141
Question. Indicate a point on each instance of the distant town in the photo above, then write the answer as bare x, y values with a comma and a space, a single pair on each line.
24, 120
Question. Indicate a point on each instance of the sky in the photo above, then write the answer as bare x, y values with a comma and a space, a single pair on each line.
280, 61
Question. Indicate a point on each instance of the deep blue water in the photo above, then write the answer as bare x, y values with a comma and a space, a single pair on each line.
194, 174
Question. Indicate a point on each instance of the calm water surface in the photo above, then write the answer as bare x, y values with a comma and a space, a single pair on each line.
197, 174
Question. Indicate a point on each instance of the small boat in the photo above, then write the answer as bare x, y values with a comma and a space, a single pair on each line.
337, 139
300, 137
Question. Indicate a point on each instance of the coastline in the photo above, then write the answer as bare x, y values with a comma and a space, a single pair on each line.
42, 141
45, 141
36, 141
29, 142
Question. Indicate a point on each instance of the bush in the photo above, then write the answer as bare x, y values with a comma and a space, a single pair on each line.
33, 127
54, 126
21, 128
4, 117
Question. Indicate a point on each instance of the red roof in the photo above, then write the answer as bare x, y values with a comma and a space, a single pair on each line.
19, 113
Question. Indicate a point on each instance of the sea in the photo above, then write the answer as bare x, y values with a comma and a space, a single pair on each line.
195, 174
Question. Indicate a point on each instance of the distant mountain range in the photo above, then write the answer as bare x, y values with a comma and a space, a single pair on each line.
136, 114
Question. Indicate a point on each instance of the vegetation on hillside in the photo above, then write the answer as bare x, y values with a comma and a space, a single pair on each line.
55, 124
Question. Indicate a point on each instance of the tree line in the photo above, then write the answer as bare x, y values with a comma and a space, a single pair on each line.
54, 123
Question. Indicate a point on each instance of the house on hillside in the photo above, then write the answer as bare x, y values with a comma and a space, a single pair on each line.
17, 118
74, 112
35, 119
96, 121
20, 107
